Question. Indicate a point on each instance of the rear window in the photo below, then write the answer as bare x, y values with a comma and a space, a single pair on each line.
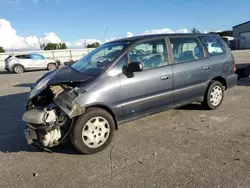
214, 45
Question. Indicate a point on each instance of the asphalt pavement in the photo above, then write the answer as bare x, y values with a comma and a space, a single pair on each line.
186, 147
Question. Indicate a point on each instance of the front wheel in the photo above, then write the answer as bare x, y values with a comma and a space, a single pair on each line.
214, 95
93, 131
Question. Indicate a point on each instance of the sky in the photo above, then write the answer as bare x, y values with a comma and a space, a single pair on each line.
26, 23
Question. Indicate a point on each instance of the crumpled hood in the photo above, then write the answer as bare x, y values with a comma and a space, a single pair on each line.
63, 75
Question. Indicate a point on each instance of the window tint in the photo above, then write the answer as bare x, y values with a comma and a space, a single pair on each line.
213, 44
186, 49
36, 56
23, 56
118, 68
151, 54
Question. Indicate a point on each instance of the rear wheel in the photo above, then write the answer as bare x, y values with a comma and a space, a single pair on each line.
18, 69
214, 95
52, 66
93, 131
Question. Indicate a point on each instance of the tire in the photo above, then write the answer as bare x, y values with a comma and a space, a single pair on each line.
88, 137
214, 95
52, 66
18, 69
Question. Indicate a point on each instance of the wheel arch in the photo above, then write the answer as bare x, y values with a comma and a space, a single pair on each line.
12, 67
108, 109
51, 63
221, 80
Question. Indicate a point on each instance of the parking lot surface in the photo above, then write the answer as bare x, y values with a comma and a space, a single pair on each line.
185, 147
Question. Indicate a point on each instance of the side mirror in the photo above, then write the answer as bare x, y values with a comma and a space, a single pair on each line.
135, 67
131, 68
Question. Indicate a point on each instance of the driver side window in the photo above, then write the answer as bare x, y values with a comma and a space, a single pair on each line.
151, 54
118, 67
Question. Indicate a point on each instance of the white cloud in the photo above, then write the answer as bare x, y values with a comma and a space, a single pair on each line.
81, 43
129, 34
10, 40
182, 31
51, 37
163, 31
68, 43
110, 39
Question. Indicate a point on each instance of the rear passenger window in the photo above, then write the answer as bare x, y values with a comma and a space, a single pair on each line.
186, 49
213, 44
23, 56
151, 54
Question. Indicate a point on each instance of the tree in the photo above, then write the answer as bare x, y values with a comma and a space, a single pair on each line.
55, 46
62, 46
94, 45
226, 33
1, 49
194, 30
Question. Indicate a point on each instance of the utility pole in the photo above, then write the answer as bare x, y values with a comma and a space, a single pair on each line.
104, 32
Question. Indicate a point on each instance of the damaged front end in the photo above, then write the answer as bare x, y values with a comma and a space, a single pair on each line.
51, 111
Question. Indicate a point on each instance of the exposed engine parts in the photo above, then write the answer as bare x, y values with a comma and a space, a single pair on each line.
50, 114
37, 116
51, 138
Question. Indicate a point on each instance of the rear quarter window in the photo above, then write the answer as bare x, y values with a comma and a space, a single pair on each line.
215, 45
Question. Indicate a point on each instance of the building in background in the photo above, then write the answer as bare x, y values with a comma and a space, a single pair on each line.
241, 34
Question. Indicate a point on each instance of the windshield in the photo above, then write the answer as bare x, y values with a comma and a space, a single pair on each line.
99, 59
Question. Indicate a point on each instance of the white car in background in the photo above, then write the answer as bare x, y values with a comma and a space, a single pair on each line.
21, 63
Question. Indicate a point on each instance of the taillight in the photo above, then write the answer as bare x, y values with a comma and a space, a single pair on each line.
234, 64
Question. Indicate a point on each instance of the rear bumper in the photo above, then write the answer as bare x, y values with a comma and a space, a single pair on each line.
7, 68
231, 80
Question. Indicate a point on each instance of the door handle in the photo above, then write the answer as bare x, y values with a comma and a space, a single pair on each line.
165, 77
206, 68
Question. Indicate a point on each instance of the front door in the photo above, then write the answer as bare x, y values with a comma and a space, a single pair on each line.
152, 88
191, 68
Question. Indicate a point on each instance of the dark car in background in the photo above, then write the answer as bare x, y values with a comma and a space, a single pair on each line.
86, 102
70, 62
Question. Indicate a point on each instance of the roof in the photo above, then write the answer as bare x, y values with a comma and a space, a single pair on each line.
241, 24
160, 35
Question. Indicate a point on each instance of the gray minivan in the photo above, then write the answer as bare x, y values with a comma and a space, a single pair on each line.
123, 80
